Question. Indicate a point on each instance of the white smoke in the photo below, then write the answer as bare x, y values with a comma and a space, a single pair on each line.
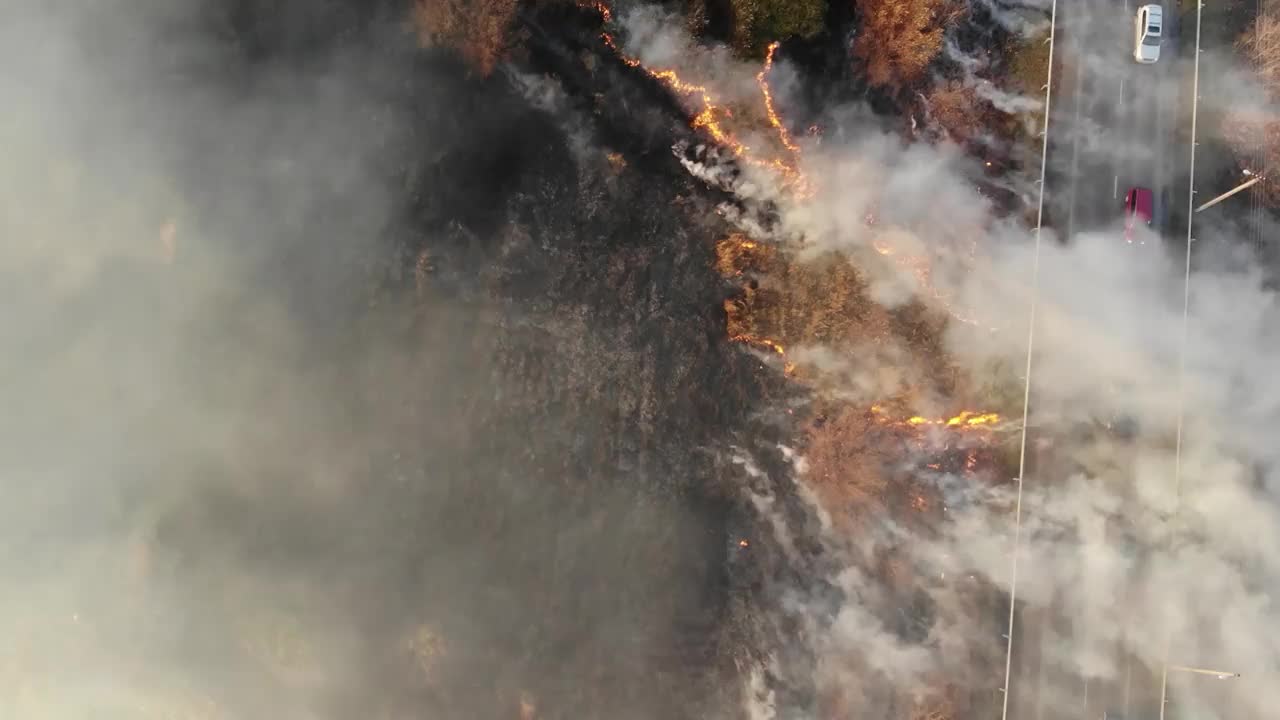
1109, 340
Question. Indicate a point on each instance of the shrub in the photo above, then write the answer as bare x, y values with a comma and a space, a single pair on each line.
897, 39
756, 23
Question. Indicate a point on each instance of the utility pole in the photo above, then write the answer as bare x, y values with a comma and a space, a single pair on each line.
1220, 674
1243, 186
1164, 685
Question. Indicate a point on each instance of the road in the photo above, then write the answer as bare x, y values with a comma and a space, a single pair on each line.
1112, 127
1113, 123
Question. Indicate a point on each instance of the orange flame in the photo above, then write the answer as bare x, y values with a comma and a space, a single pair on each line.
709, 114
760, 342
966, 420
783, 135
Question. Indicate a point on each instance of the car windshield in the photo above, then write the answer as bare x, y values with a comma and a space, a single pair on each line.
1151, 41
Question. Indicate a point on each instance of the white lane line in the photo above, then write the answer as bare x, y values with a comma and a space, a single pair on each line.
1115, 187
1128, 676
1026, 388
1047, 621
1120, 98
1182, 347
1075, 140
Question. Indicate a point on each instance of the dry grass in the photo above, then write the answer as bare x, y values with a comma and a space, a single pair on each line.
845, 451
824, 303
940, 704
480, 30
898, 39
1254, 131
958, 110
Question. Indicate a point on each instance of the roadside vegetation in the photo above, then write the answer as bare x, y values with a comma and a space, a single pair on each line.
1028, 63
1253, 129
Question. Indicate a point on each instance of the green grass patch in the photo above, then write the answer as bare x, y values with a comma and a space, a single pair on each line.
756, 23
1028, 69
1028, 65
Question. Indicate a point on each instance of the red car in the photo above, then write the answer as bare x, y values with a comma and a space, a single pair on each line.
1137, 208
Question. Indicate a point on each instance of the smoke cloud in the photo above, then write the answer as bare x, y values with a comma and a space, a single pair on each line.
342, 384
1166, 534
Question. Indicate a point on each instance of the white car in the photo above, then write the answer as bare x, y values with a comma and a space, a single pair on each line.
1148, 27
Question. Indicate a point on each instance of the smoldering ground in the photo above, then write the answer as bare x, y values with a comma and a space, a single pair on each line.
339, 384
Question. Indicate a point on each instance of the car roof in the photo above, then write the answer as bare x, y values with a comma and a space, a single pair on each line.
1155, 11
1143, 199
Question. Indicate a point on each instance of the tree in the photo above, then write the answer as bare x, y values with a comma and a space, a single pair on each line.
897, 39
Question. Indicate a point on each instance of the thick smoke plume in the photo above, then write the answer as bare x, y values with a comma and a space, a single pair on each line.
342, 385
345, 383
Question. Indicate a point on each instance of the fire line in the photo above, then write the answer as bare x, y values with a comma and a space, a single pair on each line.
709, 116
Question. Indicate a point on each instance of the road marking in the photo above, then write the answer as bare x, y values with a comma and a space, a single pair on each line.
1075, 142
1026, 385
1128, 675
1115, 187
1182, 343
1120, 99
1040, 663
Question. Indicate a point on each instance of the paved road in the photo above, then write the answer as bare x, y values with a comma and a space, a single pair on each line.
1113, 119
1112, 128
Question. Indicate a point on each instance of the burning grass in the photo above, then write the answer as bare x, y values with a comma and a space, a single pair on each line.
788, 308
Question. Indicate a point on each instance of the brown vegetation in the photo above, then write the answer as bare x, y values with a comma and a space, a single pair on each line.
959, 111
738, 254
480, 30
846, 452
942, 703
897, 39
850, 449
1253, 130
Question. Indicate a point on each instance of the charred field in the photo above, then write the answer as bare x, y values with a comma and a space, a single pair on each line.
480, 419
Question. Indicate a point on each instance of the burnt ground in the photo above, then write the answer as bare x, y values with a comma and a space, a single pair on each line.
516, 376
446, 401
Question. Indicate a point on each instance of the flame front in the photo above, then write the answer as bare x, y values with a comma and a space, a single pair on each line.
761, 79
709, 116
760, 342
965, 420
